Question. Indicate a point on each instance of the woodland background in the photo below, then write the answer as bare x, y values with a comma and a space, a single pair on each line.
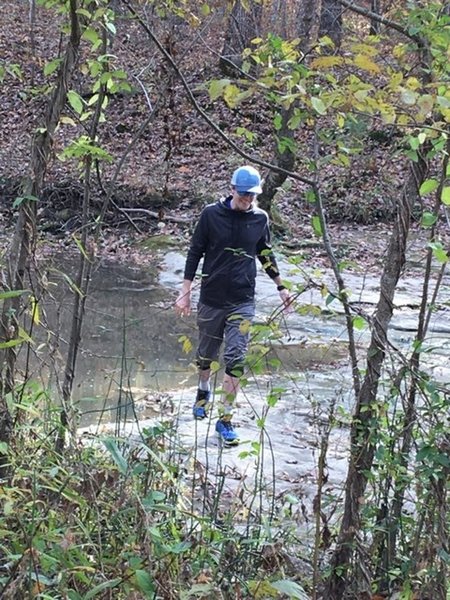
120, 119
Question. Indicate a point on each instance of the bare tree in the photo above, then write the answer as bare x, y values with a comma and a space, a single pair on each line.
331, 21
308, 22
362, 447
23, 241
244, 24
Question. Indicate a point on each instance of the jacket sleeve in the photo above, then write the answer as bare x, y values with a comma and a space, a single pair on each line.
265, 254
197, 247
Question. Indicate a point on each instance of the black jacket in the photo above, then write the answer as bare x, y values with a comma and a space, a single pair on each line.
229, 241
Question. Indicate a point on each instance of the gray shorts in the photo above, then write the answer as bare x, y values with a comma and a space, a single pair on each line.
229, 325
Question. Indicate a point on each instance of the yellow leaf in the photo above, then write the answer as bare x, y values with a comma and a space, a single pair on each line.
230, 93
217, 87
67, 121
215, 366
395, 81
244, 326
364, 49
364, 62
403, 119
324, 62
399, 50
413, 83
34, 310
186, 344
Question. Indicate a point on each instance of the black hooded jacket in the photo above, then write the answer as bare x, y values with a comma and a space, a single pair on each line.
229, 240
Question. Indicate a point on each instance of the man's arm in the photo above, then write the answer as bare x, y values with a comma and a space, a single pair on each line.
269, 263
195, 253
183, 302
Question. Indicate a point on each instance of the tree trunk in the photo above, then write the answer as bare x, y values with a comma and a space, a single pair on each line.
308, 23
284, 159
23, 242
83, 279
243, 26
331, 21
362, 448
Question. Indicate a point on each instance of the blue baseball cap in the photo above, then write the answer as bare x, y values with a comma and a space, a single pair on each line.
247, 180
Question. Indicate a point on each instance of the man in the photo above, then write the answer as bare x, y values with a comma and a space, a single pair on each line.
228, 236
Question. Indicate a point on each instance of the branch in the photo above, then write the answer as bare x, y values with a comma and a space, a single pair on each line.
365, 12
201, 112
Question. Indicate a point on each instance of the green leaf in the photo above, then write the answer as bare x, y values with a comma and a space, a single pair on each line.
329, 299
75, 101
318, 105
413, 142
445, 196
315, 221
217, 87
20, 199
51, 66
438, 252
12, 294
310, 196
106, 585
428, 186
205, 10
290, 588
428, 219
409, 97
111, 27
11, 343
145, 583
91, 35
359, 322
117, 456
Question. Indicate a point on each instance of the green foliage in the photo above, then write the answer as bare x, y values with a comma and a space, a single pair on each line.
111, 516
83, 147
10, 70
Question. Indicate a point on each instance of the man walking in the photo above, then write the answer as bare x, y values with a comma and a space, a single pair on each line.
229, 235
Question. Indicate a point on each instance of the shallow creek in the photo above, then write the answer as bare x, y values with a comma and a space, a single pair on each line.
132, 358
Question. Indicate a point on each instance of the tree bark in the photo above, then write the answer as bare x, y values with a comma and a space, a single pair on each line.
308, 23
331, 21
362, 447
284, 159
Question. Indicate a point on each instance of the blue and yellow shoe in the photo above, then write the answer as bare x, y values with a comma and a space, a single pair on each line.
200, 408
226, 432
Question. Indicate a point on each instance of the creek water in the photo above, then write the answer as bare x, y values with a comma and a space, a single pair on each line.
132, 367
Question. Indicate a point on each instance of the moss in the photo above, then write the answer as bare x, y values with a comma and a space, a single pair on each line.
160, 242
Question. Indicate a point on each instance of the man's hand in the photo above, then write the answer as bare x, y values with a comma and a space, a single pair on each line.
287, 300
183, 302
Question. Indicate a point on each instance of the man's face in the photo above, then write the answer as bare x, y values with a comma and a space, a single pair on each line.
242, 201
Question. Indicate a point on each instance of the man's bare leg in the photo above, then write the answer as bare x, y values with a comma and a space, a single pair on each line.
230, 389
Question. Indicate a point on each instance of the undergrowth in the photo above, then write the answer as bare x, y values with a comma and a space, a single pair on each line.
114, 518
